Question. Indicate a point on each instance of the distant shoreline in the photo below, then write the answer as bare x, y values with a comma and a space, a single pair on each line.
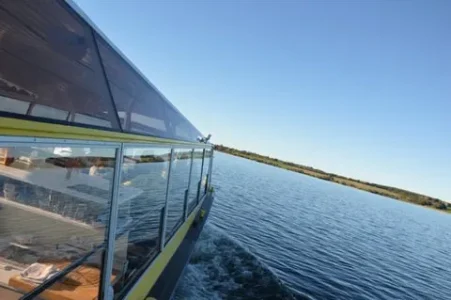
382, 190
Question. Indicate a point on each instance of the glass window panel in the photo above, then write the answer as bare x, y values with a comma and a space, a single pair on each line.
205, 170
182, 132
48, 112
145, 172
147, 121
180, 172
13, 106
84, 119
48, 57
80, 284
54, 207
140, 106
122, 117
195, 179
182, 128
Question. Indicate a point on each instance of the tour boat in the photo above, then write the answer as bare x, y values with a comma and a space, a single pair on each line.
104, 185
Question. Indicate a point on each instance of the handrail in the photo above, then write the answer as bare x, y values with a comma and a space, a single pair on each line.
28, 128
75, 264
119, 232
49, 282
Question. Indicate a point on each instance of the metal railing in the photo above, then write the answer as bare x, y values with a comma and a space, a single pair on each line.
112, 233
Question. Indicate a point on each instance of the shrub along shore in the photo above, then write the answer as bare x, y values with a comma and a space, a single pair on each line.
383, 190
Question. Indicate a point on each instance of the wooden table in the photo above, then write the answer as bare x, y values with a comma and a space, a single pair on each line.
80, 284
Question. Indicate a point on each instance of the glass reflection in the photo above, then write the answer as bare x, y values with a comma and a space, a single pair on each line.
50, 62
205, 170
140, 107
80, 284
180, 172
145, 170
53, 210
90, 120
196, 172
13, 105
48, 112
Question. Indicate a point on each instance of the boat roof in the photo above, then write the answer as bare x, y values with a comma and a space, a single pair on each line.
65, 70
88, 20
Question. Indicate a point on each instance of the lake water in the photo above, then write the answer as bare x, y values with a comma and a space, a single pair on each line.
275, 234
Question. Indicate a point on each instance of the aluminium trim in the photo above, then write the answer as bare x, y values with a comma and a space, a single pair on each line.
108, 258
161, 145
21, 140
185, 212
20, 127
71, 117
146, 146
106, 82
168, 187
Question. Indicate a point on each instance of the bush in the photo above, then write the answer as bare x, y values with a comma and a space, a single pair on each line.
425, 202
440, 205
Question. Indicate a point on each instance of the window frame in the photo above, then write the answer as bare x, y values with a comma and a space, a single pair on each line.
108, 245
99, 89
15, 141
169, 235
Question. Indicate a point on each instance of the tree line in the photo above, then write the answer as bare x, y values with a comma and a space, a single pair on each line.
379, 189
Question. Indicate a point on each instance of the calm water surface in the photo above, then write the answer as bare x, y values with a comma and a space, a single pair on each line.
275, 234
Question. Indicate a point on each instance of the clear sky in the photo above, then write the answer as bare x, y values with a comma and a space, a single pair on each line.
358, 88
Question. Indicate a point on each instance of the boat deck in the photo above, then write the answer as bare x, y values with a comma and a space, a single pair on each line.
8, 294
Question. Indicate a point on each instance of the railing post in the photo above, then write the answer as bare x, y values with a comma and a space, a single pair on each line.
199, 184
185, 204
108, 256
168, 186
185, 215
210, 168
161, 229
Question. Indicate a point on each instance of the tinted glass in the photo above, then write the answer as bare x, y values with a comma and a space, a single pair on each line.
48, 112
54, 208
180, 172
182, 128
13, 105
194, 188
48, 64
141, 109
144, 175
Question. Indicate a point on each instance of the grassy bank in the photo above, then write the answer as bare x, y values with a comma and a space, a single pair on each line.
383, 190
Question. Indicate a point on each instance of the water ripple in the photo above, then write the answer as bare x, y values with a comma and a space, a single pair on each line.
320, 239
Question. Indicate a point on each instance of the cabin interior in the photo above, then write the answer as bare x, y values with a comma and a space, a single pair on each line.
53, 210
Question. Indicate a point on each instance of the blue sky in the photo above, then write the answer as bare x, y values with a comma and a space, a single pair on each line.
359, 88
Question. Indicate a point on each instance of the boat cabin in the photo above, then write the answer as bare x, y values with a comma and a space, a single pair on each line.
101, 176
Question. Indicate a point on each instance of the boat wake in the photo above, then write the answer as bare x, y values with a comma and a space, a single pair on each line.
222, 269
